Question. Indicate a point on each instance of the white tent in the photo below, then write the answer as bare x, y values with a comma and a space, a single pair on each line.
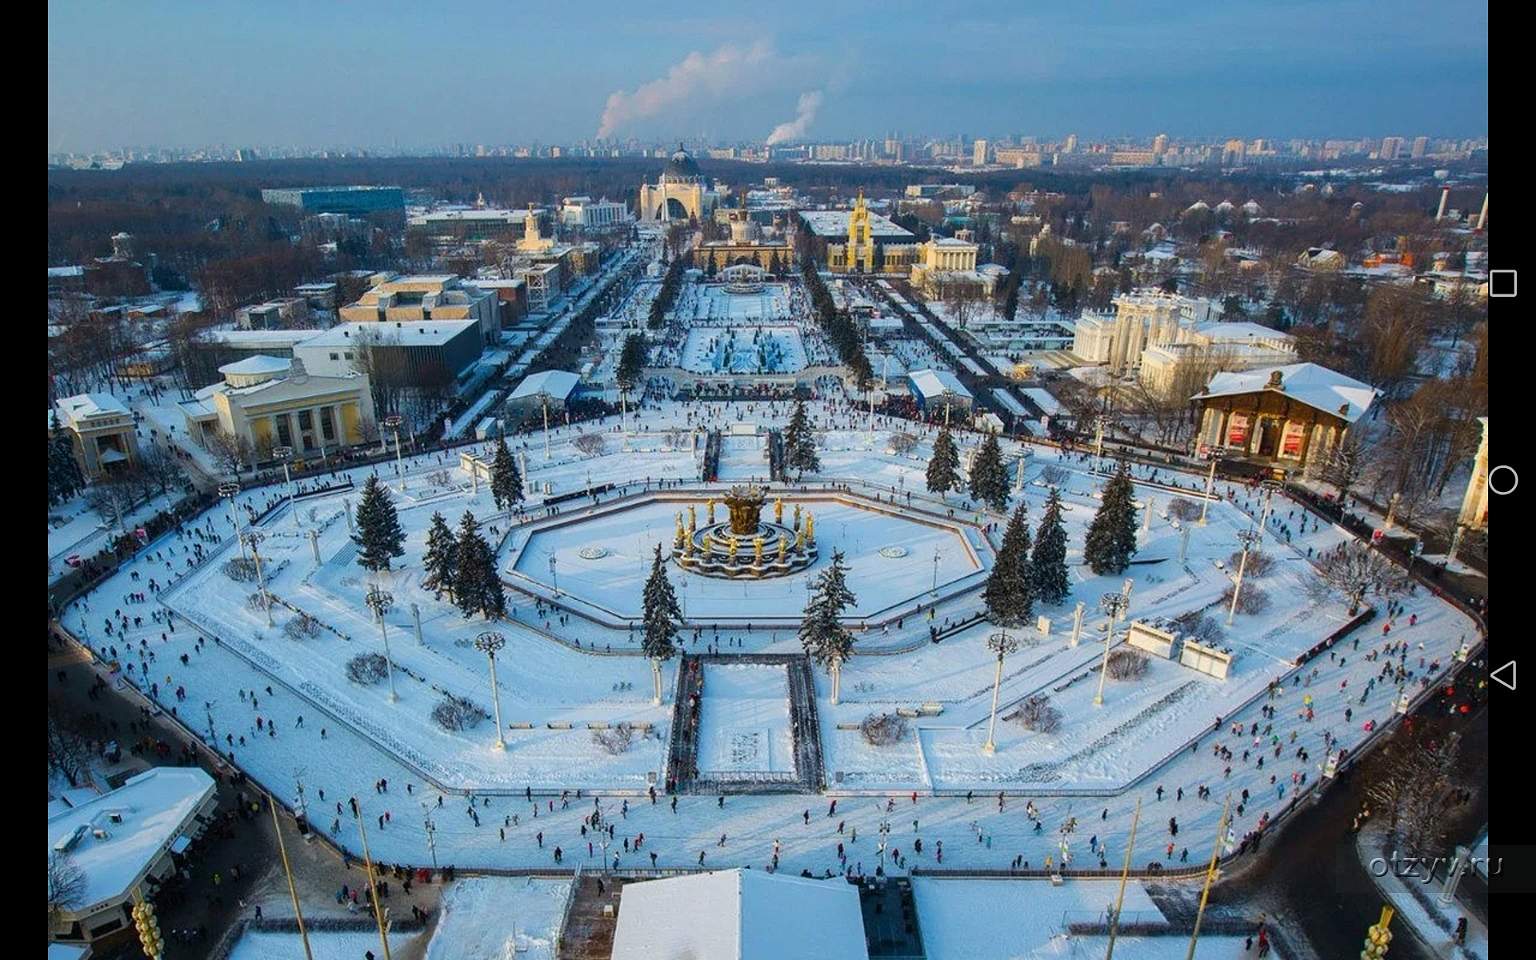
740, 915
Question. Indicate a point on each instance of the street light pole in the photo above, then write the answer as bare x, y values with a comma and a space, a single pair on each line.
1248, 538
544, 402
380, 601
1113, 604
488, 643
393, 423
229, 491
1210, 483
254, 538
1001, 644
284, 454
553, 575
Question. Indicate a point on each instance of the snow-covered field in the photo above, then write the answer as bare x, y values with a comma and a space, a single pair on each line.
744, 720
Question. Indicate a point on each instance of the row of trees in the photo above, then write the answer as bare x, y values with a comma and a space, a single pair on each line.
671, 284
837, 327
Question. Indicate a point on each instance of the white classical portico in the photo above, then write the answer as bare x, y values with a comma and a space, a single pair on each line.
1474, 506
1291, 417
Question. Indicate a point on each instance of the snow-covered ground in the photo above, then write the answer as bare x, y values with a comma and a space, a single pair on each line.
489, 918
1018, 919
323, 945
746, 349
555, 678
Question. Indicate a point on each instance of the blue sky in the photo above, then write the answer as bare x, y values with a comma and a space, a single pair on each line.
342, 73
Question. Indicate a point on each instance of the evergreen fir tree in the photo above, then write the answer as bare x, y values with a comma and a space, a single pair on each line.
944, 468
64, 476
378, 537
1111, 540
631, 362
799, 442
1010, 590
476, 588
506, 482
989, 479
822, 634
1049, 567
660, 618
441, 557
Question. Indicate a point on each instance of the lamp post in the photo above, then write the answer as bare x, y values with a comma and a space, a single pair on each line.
1249, 539
1113, 604
553, 575
1001, 644
254, 538
1098, 442
1210, 483
228, 491
379, 601
285, 454
431, 829
488, 643
393, 423
935, 573
544, 402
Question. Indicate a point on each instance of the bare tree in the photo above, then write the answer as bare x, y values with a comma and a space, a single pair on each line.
229, 451
1410, 780
69, 749
383, 367
66, 885
591, 444
1355, 570
160, 468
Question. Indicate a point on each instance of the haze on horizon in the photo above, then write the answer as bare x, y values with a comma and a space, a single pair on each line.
182, 74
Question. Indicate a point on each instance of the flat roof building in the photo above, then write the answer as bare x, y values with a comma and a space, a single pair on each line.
412, 299
345, 199
936, 389
123, 840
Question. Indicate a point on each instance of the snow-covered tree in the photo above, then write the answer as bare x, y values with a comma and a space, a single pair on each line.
989, 478
64, 476
660, 618
476, 587
1111, 540
1010, 589
822, 634
67, 884
944, 468
440, 558
506, 482
800, 442
1048, 568
379, 537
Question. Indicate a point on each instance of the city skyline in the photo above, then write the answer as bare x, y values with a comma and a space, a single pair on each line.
1196, 71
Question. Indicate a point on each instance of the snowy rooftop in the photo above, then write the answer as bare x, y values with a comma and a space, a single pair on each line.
742, 914
1309, 383
85, 405
74, 271
556, 384
154, 809
259, 364
414, 333
261, 338
834, 223
935, 383
1237, 331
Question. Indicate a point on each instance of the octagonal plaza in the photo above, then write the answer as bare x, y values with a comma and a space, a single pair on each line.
564, 677
602, 556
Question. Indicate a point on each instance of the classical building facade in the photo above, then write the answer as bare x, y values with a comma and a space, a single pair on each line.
859, 240
1141, 319
265, 402
681, 193
102, 430
1288, 418
747, 245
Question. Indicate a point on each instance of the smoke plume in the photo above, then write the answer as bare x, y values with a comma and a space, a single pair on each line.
720, 73
805, 113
